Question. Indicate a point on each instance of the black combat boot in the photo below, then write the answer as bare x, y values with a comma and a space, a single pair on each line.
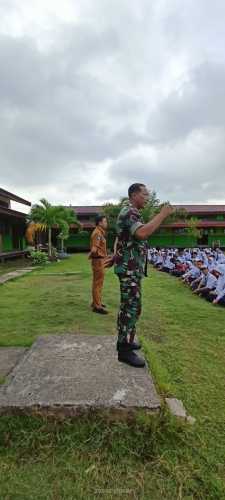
131, 346
126, 355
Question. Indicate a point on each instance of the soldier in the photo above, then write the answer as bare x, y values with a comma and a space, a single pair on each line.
97, 255
130, 267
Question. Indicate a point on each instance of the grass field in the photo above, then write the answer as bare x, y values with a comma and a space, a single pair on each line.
151, 458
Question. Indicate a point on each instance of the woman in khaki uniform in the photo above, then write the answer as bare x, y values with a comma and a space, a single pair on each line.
98, 255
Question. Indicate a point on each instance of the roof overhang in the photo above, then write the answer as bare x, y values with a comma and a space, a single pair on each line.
202, 209
12, 213
14, 197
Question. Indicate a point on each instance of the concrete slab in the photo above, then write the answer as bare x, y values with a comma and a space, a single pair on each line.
14, 274
178, 410
9, 357
73, 374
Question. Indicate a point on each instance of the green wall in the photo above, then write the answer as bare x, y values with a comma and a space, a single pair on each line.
217, 237
78, 241
81, 241
7, 243
169, 239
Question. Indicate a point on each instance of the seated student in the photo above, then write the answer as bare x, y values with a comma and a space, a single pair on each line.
180, 256
207, 283
211, 262
180, 269
193, 273
220, 257
150, 255
187, 255
159, 260
218, 293
187, 274
220, 299
195, 283
168, 264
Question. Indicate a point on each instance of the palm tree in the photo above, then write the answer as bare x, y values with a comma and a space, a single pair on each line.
45, 216
63, 235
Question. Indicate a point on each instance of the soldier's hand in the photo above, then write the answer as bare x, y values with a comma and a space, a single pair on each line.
108, 262
167, 210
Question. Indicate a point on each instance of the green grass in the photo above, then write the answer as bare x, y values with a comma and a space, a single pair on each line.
150, 458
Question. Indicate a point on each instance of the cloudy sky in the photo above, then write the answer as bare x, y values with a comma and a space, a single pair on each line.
98, 94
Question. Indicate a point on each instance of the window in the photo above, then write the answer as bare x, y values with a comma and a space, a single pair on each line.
180, 230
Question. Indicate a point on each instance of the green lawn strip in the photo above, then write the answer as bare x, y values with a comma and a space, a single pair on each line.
184, 342
73, 459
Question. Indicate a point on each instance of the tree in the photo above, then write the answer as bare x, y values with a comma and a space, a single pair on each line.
192, 229
44, 216
64, 234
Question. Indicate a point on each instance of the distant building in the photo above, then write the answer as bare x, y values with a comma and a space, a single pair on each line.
12, 223
211, 221
80, 240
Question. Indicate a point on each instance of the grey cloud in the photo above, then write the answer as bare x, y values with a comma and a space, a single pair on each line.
138, 85
198, 103
53, 114
181, 172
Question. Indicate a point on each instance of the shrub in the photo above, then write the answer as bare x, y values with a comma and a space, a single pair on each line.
39, 257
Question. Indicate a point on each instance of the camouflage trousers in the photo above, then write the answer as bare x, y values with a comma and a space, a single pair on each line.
130, 307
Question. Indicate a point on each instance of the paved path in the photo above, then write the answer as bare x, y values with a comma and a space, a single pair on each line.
72, 374
15, 274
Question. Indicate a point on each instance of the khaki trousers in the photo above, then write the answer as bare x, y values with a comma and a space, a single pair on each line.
97, 283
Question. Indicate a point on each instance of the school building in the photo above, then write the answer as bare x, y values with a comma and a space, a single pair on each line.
12, 225
211, 222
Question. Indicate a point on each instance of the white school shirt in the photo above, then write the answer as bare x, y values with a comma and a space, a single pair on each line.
211, 281
169, 264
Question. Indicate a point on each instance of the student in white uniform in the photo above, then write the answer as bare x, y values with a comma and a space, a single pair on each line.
217, 296
207, 284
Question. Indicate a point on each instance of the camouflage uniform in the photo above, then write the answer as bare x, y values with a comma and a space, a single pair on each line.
130, 267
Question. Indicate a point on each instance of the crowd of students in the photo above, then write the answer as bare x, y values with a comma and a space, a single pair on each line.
203, 270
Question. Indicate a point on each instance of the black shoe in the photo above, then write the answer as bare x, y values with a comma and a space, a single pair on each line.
103, 305
126, 346
131, 358
100, 310
135, 346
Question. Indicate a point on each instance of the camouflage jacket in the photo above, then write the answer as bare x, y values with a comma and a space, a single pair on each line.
131, 253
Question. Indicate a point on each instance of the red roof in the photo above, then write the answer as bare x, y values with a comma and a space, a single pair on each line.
202, 209
87, 210
194, 209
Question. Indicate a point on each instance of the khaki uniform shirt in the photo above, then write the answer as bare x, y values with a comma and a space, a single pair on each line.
98, 243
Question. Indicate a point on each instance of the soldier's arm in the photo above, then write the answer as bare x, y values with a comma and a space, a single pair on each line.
143, 232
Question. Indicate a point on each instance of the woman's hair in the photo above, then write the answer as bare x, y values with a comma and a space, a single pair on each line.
99, 218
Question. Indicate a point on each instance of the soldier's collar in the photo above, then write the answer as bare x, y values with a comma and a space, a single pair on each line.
132, 206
